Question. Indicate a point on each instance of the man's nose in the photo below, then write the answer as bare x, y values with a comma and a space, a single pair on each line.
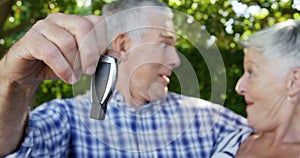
241, 86
173, 59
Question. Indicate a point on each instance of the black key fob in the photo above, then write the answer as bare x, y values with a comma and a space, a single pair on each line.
103, 83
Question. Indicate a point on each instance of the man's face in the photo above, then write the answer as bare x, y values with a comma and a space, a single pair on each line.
149, 62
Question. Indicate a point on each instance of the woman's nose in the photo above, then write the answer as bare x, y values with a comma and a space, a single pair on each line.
241, 85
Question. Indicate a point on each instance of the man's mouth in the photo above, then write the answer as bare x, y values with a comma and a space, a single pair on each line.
165, 79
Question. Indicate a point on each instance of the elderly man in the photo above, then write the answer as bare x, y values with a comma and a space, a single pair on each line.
142, 120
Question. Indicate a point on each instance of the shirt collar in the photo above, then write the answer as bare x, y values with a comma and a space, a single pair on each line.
150, 107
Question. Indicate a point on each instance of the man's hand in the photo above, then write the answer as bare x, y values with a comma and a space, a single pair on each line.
60, 46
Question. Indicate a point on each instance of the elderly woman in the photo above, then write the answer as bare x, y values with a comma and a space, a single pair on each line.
271, 88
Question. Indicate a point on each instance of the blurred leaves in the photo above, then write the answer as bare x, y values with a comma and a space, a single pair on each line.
225, 21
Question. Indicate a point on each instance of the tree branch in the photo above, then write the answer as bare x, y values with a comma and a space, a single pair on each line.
15, 29
5, 7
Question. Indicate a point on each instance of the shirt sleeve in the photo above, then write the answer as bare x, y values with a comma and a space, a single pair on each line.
229, 145
47, 133
231, 132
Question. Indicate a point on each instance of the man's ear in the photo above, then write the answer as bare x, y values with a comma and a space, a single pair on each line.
120, 43
294, 82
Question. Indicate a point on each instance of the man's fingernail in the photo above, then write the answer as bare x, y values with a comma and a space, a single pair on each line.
72, 79
90, 70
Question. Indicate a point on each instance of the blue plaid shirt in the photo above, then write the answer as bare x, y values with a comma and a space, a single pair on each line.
175, 126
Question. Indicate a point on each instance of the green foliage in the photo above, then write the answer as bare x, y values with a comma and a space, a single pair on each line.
52, 89
219, 18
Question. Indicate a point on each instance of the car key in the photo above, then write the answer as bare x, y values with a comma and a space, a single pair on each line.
103, 83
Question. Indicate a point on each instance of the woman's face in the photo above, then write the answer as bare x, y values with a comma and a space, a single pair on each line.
264, 89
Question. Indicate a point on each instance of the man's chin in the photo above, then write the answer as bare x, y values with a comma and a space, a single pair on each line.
157, 91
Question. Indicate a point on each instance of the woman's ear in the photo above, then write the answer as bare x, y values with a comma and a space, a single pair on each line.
294, 82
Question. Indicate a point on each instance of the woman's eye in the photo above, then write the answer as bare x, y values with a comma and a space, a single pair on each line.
250, 73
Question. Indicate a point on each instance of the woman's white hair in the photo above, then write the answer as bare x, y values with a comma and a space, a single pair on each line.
131, 16
278, 43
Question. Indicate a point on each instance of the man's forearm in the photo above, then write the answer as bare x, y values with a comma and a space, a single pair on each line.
14, 104
43, 55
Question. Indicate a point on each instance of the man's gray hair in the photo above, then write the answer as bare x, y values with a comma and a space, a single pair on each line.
280, 42
130, 16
